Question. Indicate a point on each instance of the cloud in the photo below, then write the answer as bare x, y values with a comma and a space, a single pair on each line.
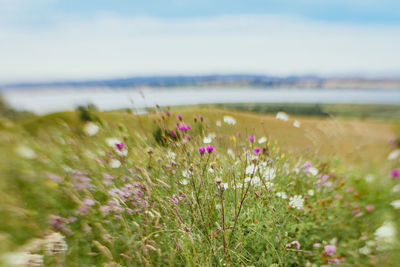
109, 45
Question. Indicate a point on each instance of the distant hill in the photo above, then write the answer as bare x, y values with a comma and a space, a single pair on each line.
218, 80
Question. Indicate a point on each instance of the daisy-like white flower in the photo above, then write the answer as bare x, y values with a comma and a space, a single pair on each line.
310, 192
250, 169
184, 182
225, 185
207, 140
282, 116
218, 123
385, 236
114, 163
296, 124
269, 185
90, 128
171, 155
281, 195
229, 120
296, 202
25, 152
396, 204
262, 140
394, 154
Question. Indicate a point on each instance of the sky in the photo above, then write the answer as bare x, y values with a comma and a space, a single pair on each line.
49, 40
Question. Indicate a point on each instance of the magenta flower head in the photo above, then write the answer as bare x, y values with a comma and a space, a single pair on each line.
201, 118
168, 113
395, 173
187, 138
173, 134
210, 149
202, 150
252, 139
330, 250
238, 134
120, 146
179, 117
256, 151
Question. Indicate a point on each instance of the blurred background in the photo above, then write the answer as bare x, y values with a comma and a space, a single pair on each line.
56, 55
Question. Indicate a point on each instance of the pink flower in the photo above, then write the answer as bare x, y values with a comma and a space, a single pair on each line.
370, 208
179, 117
256, 151
252, 138
201, 118
350, 189
187, 137
173, 134
210, 149
330, 250
395, 173
120, 146
238, 134
202, 150
168, 113
88, 202
294, 244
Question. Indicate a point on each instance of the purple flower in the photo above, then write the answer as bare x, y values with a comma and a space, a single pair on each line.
238, 134
395, 173
252, 138
179, 117
183, 127
201, 118
330, 250
168, 113
294, 244
120, 146
88, 202
202, 150
256, 151
173, 133
210, 149
187, 137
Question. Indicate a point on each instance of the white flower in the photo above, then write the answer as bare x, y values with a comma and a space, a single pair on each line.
25, 152
282, 116
239, 185
251, 168
313, 171
269, 174
281, 195
184, 182
396, 204
218, 206
231, 153
207, 140
310, 192
385, 235
396, 188
262, 140
394, 154
369, 178
218, 123
269, 185
171, 155
114, 163
90, 128
121, 152
296, 202
229, 120
364, 250
186, 173
296, 124
22, 259
225, 185
256, 181
112, 141
55, 244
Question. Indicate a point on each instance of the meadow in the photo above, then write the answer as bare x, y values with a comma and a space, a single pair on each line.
198, 186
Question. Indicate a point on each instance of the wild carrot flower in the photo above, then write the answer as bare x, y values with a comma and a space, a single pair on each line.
202, 150
330, 250
210, 149
252, 138
256, 151
296, 202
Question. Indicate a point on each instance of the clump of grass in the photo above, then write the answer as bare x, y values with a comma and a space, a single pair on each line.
191, 193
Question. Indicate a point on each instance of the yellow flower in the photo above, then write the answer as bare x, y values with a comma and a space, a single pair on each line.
233, 139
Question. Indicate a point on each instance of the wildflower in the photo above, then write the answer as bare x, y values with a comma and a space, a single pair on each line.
369, 178
262, 140
335, 260
201, 118
231, 153
229, 120
396, 188
251, 168
370, 208
296, 202
294, 244
88, 202
252, 138
364, 250
310, 192
317, 245
114, 163
179, 117
350, 189
218, 123
395, 204
183, 127
202, 150
385, 235
296, 124
173, 133
120, 146
394, 154
281, 195
313, 171
171, 155
25, 152
330, 250
187, 138
55, 244
184, 182
210, 149
395, 173
112, 141
168, 113
256, 151
90, 128
282, 116
238, 134
269, 174
207, 140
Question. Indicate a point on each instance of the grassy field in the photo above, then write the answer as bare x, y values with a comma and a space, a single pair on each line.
138, 190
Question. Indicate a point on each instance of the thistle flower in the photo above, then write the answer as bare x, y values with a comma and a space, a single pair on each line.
330, 250
252, 138
210, 149
256, 151
168, 113
202, 150
395, 173
179, 117
120, 146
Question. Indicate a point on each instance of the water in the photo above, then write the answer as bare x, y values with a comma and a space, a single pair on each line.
51, 100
